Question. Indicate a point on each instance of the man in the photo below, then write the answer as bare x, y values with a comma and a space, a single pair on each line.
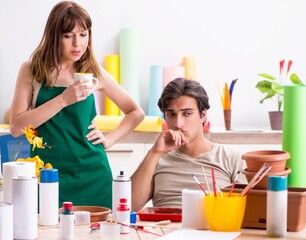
182, 150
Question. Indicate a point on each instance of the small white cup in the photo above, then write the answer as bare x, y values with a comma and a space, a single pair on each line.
109, 231
91, 82
81, 217
193, 209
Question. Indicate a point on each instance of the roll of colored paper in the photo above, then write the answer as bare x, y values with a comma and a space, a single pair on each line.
109, 123
112, 66
172, 72
99, 102
190, 70
156, 87
294, 133
129, 48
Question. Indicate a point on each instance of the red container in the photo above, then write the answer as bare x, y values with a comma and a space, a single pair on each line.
160, 214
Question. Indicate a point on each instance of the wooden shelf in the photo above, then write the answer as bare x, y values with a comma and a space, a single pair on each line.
227, 137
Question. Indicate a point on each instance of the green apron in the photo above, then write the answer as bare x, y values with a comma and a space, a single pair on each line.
85, 177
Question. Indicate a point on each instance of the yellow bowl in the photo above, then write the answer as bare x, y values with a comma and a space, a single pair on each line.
225, 213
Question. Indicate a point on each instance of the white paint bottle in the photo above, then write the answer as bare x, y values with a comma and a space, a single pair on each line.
48, 197
66, 222
123, 216
277, 200
121, 189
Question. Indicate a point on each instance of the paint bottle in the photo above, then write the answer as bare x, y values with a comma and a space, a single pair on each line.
123, 216
277, 200
66, 222
48, 197
121, 189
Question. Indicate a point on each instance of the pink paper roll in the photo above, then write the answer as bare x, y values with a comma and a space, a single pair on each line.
172, 72
99, 102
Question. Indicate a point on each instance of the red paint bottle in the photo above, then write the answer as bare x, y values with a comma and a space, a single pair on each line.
123, 216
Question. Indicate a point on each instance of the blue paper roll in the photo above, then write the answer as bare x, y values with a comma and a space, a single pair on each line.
156, 87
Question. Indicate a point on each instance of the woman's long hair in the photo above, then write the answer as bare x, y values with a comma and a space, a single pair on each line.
46, 59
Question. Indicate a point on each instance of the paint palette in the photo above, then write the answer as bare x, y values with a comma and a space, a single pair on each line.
160, 214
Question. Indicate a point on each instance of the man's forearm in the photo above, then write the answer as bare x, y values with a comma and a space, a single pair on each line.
142, 180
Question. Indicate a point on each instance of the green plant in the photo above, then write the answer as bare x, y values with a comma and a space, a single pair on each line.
274, 88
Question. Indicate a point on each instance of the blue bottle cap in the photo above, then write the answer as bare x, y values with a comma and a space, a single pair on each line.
133, 216
277, 183
48, 175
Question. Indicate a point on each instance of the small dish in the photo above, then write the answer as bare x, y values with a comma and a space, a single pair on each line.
160, 214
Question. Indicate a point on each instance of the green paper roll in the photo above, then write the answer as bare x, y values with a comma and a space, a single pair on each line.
129, 47
294, 133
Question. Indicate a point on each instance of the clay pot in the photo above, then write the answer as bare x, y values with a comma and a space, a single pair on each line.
263, 184
276, 120
276, 158
227, 119
97, 214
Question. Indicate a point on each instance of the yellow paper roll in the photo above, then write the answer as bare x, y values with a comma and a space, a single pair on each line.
112, 66
190, 71
109, 123
4, 126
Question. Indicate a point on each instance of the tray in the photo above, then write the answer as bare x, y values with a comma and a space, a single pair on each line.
160, 214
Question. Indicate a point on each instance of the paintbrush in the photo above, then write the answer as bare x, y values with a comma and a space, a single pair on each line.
195, 178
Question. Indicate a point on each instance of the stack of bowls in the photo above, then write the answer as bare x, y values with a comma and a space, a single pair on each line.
275, 158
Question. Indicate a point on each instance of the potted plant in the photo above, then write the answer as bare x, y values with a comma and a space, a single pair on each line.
273, 88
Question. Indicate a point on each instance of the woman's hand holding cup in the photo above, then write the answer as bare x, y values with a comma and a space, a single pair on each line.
91, 83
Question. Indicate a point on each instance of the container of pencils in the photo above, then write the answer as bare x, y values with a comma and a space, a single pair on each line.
225, 213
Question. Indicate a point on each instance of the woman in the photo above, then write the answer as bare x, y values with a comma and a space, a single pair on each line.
62, 110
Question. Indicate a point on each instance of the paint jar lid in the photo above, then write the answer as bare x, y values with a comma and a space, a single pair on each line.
67, 205
133, 217
48, 175
277, 183
122, 177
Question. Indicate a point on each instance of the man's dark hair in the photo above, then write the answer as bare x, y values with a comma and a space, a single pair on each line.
183, 87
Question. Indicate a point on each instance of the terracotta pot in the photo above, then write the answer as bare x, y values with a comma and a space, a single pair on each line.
276, 158
97, 214
227, 119
276, 120
263, 184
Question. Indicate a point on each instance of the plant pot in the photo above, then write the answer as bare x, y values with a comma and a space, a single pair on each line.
227, 119
275, 158
276, 120
263, 183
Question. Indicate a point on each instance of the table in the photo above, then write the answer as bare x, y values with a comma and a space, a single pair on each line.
82, 233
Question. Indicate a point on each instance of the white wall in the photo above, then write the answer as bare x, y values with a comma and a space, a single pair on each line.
228, 39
